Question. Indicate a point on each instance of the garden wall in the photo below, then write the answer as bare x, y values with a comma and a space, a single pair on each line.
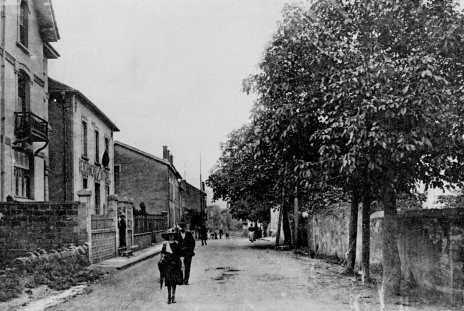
29, 226
430, 243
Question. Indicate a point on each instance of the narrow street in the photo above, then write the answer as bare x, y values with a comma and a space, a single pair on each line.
234, 274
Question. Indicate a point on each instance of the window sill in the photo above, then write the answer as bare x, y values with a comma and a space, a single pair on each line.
97, 164
22, 199
23, 48
83, 157
106, 168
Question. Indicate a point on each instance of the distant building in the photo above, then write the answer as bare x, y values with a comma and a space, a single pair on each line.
146, 178
81, 147
30, 26
213, 217
193, 203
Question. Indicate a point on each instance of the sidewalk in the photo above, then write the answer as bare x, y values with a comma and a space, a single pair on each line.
124, 262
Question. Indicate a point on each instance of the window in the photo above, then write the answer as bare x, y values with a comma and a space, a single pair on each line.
107, 144
24, 23
22, 174
46, 194
97, 199
107, 189
117, 171
106, 154
85, 184
84, 138
23, 92
97, 146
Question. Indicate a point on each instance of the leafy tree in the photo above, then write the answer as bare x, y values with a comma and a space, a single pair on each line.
395, 96
370, 89
239, 180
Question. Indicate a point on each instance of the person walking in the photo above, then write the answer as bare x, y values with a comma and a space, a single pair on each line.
187, 246
221, 232
251, 233
203, 234
170, 266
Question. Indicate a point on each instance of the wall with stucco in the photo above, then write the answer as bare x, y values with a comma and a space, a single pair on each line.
430, 244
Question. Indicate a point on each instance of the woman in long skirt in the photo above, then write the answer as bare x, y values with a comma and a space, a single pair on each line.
170, 265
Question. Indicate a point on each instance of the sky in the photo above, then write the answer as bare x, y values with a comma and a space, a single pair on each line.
167, 72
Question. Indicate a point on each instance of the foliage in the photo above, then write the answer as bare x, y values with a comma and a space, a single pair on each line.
193, 217
10, 286
364, 95
243, 181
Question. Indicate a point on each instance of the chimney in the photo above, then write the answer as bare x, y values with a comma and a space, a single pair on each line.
165, 153
171, 159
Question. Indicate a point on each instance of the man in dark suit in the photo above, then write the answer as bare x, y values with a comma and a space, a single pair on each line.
187, 246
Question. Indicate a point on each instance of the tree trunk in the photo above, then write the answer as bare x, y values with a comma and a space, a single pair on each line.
366, 237
391, 258
353, 232
289, 210
286, 225
296, 216
279, 226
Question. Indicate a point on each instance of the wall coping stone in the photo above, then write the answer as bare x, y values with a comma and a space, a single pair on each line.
97, 231
451, 213
84, 193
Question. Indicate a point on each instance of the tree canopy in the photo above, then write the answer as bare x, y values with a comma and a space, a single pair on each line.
362, 95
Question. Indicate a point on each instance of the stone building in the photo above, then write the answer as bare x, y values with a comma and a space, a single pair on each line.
193, 202
27, 28
143, 177
81, 147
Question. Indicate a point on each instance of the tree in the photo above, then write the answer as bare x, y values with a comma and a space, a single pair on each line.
370, 89
241, 181
394, 92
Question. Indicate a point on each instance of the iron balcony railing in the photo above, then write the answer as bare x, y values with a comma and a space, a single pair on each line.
31, 127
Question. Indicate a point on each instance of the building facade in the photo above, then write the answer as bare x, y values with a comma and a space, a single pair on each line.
193, 202
81, 147
143, 177
27, 28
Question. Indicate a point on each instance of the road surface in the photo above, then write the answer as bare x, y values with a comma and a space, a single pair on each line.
235, 274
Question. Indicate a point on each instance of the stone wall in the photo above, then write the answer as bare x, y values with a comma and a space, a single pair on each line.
28, 226
103, 244
143, 240
328, 231
430, 243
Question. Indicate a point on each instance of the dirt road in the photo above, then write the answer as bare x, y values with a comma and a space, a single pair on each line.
235, 274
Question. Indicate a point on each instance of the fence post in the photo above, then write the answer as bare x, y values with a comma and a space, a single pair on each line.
130, 214
113, 211
85, 220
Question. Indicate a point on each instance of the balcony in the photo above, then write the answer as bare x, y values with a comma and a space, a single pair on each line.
30, 127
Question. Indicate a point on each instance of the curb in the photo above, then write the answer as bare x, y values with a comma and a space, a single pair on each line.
118, 264
138, 260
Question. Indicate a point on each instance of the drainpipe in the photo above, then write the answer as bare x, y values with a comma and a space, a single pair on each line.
65, 146
2, 107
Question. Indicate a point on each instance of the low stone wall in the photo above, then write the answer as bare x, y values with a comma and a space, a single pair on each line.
430, 243
103, 244
143, 240
63, 256
28, 226
327, 231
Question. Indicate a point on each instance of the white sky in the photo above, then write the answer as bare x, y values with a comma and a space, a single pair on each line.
166, 72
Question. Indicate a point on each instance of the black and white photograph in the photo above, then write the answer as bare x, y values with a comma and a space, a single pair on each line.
232, 155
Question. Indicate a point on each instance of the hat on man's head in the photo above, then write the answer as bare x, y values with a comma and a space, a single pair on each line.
169, 233
182, 225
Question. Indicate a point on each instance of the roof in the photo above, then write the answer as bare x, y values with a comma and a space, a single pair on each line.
148, 155
55, 87
46, 20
